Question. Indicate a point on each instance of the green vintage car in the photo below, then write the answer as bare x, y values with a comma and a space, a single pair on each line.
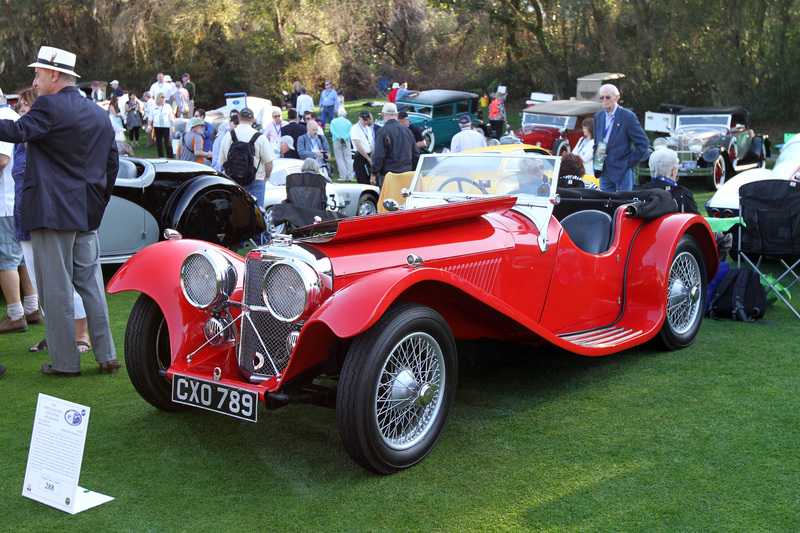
436, 113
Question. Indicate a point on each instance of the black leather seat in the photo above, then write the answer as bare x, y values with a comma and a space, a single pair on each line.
590, 230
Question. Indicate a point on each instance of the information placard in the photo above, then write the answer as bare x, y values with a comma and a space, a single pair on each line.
56, 455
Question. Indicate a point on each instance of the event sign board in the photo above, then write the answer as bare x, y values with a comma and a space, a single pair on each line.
56, 455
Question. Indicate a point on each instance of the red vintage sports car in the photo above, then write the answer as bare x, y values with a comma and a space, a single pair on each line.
363, 313
556, 125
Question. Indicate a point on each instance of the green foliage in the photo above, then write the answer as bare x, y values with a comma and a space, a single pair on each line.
695, 52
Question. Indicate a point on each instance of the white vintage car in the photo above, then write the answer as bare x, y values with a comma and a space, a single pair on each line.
725, 202
351, 199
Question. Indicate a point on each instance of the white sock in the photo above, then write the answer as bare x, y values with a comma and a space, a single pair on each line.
30, 303
15, 311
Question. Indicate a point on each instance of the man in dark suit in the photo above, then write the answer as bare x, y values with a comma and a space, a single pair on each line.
620, 142
71, 168
293, 128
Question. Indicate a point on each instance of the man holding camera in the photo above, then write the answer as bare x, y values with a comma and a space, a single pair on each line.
314, 145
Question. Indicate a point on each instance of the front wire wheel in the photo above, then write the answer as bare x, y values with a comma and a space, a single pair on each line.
719, 173
686, 295
396, 389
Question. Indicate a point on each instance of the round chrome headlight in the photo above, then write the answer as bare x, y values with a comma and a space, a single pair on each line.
696, 146
660, 143
291, 290
207, 279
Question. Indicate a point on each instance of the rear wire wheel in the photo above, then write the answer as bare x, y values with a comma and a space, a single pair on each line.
686, 295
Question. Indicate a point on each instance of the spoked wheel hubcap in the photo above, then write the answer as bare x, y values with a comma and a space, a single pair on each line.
683, 303
409, 393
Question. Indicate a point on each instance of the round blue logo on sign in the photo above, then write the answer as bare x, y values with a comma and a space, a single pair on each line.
73, 417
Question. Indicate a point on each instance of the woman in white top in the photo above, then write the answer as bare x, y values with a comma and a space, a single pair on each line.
585, 146
162, 121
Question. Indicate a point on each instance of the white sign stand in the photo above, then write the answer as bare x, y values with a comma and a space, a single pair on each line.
55, 457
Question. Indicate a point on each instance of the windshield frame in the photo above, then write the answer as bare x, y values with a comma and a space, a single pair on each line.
438, 178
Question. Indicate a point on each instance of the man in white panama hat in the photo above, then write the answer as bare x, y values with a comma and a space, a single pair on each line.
70, 171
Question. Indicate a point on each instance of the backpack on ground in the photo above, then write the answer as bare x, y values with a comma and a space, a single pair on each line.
739, 296
240, 166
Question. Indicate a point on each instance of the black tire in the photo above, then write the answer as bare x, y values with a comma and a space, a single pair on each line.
686, 295
147, 350
430, 138
762, 155
719, 173
378, 370
733, 153
561, 148
367, 205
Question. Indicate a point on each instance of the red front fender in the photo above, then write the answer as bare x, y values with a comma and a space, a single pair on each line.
155, 271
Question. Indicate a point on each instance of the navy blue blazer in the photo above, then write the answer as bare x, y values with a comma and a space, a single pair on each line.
295, 130
627, 142
72, 161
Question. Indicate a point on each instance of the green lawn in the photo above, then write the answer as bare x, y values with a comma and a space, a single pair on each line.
696, 440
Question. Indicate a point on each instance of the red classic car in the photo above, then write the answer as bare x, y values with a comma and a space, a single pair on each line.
363, 313
556, 125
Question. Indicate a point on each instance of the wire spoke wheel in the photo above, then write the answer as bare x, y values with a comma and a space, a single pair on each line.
683, 303
407, 397
686, 295
396, 388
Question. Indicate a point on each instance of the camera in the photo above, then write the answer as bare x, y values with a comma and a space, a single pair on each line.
235, 119
325, 155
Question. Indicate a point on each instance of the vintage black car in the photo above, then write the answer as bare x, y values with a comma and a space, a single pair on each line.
152, 195
713, 143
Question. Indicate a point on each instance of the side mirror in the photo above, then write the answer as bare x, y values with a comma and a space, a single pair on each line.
391, 204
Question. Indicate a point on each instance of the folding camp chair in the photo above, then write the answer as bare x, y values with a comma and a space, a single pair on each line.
305, 201
382, 87
770, 210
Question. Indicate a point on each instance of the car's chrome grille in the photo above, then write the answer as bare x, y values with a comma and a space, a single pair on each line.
682, 148
268, 337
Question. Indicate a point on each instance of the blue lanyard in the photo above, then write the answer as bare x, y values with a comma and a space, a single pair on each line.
667, 180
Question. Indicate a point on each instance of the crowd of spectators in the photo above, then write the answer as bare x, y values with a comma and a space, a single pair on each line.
323, 131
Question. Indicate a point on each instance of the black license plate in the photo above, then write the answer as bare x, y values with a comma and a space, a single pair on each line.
212, 396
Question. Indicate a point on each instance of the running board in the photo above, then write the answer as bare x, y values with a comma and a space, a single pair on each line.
601, 338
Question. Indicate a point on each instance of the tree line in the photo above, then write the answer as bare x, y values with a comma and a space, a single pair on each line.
709, 52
